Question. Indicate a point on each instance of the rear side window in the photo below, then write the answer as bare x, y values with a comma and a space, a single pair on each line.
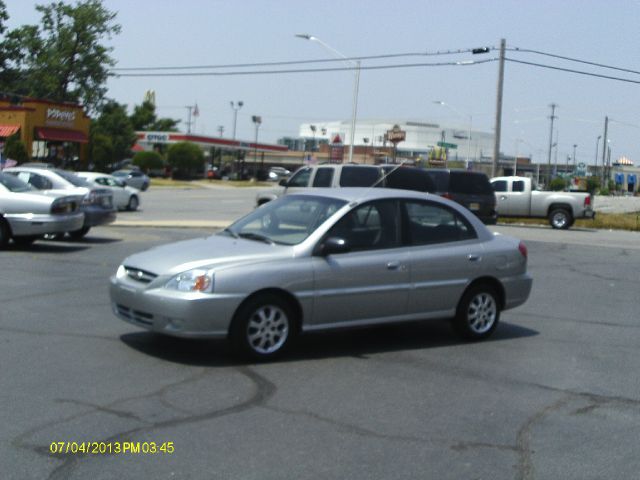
410, 179
499, 186
323, 177
518, 186
440, 179
429, 223
470, 183
359, 176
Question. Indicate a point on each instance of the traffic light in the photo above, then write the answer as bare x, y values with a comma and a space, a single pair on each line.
476, 51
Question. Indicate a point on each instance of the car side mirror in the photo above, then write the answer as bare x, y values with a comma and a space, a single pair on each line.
283, 183
333, 245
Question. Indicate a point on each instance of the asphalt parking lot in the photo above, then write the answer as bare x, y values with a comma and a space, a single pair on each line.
551, 395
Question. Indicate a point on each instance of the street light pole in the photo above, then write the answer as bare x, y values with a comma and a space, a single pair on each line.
257, 120
235, 107
596, 163
356, 85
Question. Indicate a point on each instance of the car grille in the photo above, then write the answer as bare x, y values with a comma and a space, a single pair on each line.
135, 315
140, 275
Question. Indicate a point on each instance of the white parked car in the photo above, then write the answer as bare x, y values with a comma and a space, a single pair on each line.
124, 196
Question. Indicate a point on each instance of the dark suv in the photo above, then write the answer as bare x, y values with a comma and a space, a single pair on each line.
471, 189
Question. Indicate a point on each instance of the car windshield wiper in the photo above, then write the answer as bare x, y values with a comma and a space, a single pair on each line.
230, 232
256, 236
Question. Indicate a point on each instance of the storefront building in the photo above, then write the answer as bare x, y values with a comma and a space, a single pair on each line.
52, 132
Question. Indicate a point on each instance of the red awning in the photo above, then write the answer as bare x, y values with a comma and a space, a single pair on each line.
8, 130
60, 135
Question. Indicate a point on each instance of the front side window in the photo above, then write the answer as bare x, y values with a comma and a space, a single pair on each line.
499, 186
371, 226
430, 223
300, 178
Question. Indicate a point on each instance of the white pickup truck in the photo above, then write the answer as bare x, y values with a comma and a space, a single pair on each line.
518, 197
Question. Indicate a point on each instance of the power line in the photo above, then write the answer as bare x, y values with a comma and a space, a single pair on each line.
570, 70
298, 62
305, 70
570, 59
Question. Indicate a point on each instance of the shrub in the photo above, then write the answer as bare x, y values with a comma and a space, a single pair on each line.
148, 161
15, 149
558, 184
593, 184
185, 159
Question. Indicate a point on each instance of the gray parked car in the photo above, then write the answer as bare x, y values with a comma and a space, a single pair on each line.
26, 214
95, 203
326, 259
133, 178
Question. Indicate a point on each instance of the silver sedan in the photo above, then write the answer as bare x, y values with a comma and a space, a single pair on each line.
331, 258
26, 214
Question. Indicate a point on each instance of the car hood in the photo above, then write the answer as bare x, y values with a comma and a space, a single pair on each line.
209, 252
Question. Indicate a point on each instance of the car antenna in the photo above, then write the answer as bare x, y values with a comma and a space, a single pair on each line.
385, 175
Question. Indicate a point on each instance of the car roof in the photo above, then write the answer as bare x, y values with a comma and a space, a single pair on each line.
351, 194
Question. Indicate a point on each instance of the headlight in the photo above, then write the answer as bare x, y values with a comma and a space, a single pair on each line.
192, 281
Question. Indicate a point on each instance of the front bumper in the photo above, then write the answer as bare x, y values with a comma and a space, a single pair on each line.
170, 312
96, 215
28, 224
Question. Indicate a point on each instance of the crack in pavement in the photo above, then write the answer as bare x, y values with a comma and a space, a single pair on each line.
264, 390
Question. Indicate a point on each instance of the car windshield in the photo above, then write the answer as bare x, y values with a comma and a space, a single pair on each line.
286, 221
72, 178
14, 184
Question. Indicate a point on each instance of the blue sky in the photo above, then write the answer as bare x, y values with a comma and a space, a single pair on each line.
213, 32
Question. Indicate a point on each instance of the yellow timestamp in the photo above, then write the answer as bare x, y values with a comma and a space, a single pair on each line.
112, 448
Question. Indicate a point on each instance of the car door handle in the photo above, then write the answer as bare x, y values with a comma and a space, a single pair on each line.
474, 258
393, 265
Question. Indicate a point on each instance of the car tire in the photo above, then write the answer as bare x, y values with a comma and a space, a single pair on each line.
78, 234
560, 218
478, 313
132, 206
263, 327
25, 241
5, 233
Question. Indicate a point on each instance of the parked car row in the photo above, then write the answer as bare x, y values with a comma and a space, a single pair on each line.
38, 200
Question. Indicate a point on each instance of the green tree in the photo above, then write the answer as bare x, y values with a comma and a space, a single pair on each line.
148, 161
593, 184
64, 58
15, 149
558, 184
144, 118
115, 124
101, 151
186, 159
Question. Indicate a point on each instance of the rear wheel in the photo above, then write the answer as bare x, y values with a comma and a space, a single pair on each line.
560, 218
5, 233
478, 313
263, 327
133, 203
78, 234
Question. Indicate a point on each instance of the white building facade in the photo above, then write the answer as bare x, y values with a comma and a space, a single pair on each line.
421, 137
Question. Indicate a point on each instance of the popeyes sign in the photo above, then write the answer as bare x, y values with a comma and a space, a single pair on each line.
57, 116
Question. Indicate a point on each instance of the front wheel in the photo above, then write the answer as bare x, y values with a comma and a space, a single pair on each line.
263, 327
560, 219
78, 234
133, 203
478, 313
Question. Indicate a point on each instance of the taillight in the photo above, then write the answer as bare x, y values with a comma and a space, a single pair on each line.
587, 201
59, 208
523, 250
447, 195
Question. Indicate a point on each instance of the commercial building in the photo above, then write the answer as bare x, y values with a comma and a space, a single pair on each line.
53, 132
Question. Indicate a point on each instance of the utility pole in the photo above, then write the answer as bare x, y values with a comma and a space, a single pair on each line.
220, 130
190, 108
496, 145
604, 149
553, 117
